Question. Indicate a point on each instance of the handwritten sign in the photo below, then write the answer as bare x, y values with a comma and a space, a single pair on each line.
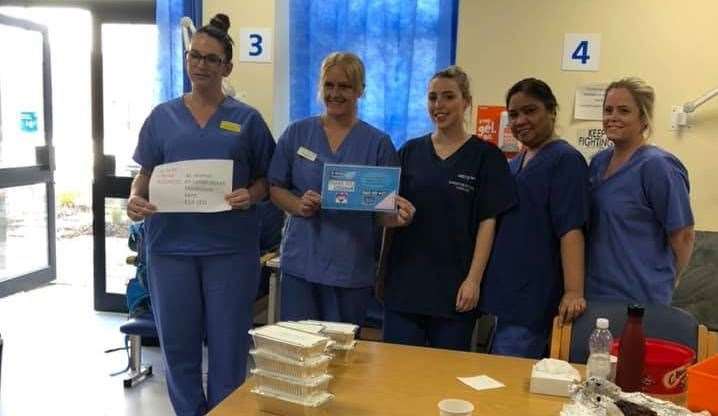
192, 186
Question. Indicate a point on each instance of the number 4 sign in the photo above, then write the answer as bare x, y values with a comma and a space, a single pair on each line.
255, 45
581, 52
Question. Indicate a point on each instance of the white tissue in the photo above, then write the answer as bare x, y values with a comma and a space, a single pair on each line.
553, 377
557, 367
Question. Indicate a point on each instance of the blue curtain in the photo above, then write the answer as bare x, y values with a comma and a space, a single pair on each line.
171, 78
402, 43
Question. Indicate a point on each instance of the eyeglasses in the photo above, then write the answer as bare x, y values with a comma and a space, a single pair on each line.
195, 58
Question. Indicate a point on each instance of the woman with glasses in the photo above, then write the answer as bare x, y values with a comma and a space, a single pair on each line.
459, 184
536, 270
641, 234
204, 267
328, 257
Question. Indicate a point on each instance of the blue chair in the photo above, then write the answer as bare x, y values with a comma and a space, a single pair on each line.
570, 341
135, 329
141, 322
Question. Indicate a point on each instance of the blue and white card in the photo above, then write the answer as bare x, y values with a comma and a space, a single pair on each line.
360, 188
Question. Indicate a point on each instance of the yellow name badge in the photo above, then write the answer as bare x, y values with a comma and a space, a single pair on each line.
229, 126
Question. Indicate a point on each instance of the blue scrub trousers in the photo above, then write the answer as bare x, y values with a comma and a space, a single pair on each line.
425, 330
198, 296
519, 341
301, 299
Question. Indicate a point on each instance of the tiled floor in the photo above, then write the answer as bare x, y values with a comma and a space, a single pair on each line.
53, 360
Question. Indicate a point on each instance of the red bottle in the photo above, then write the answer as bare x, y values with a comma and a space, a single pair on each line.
632, 352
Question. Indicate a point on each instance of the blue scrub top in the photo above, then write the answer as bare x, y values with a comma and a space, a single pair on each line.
633, 213
523, 283
431, 257
335, 248
171, 134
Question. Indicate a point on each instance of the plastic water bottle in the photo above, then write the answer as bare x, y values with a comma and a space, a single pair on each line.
599, 345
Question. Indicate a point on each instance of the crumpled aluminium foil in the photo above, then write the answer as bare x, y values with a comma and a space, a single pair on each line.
597, 396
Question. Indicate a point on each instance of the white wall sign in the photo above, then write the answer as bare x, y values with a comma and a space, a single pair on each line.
581, 52
255, 44
588, 102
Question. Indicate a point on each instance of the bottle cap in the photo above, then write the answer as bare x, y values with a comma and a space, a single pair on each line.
602, 323
635, 310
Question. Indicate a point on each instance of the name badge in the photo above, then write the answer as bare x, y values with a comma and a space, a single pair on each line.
306, 153
230, 126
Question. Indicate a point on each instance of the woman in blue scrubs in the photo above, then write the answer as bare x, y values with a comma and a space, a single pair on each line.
641, 234
328, 257
458, 184
536, 270
204, 267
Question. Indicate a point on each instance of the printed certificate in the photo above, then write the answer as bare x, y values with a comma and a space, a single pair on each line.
360, 188
192, 186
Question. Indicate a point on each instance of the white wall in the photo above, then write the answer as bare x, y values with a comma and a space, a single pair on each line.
253, 82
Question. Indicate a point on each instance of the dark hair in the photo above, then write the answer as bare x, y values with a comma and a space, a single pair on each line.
217, 28
536, 89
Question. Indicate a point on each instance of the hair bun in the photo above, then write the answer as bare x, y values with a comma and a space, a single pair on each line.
220, 21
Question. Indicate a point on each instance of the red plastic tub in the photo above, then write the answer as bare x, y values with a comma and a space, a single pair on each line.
665, 368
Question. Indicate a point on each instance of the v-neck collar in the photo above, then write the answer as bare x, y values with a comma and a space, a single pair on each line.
536, 160
451, 159
211, 118
623, 168
325, 138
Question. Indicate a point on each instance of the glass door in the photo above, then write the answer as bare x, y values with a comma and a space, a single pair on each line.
27, 209
126, 79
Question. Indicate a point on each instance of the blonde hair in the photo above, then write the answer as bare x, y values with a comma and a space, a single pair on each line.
459, 76
351, 64
644, 96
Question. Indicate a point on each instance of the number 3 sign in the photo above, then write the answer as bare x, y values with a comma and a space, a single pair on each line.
581, 52
255, 45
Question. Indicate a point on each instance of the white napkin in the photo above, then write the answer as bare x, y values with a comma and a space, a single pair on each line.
481, 382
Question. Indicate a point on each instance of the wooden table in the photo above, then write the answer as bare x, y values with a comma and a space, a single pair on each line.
394, 380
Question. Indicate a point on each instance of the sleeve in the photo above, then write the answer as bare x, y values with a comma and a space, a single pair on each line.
148, 152
666, 187
568, 194
280, 169
262, 147
387, 153
496, 185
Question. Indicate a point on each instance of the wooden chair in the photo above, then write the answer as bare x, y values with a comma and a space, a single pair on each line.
707, 343
560, 339
563, 337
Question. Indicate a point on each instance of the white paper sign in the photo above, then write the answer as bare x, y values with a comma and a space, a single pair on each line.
588, 103
581, 52
255, 44
192, 186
